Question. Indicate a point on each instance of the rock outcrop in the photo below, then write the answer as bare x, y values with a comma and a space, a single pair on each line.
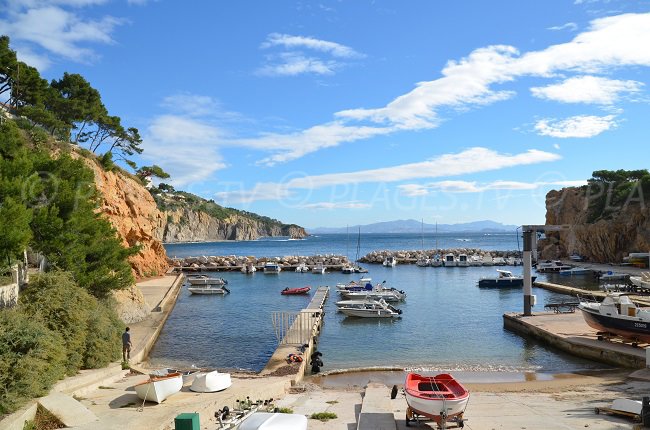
186, 225
626, 230
133, 213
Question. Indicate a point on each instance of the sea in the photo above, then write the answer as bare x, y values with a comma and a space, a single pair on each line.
448, 323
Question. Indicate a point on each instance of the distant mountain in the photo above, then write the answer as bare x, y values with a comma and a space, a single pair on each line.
414, 226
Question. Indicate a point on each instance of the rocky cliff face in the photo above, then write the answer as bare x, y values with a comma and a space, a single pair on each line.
186, 225
604, 241
133, 213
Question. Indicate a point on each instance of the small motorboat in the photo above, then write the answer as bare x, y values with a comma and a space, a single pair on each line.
208, 289
318, 269
450, 260
390, 262
641, 281
272, 268
611, 276
302, 268
157, 388
463, 261
440, 398
368, 309
551, 266
248, 268
206, 280
211, 382
295, 291
505, 279
361, 284
617, 314
575, 271
377, 293
347, 269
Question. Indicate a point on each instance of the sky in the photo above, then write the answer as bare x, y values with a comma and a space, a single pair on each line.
334, 113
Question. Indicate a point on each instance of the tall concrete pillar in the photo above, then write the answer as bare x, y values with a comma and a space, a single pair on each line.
528, 284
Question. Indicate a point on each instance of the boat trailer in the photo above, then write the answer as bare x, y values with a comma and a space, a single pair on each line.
441, 420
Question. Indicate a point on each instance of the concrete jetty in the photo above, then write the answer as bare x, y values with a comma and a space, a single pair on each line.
299, 338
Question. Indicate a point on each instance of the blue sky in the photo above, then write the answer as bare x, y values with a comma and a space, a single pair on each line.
350, 112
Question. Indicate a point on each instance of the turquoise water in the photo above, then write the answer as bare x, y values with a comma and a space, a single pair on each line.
447, 322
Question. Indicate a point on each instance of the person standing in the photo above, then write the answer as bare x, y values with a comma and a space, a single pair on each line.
126, 345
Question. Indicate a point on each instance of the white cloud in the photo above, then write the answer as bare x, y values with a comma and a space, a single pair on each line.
576, 126
261, 191
339, 205
293, 60
418, 190
587, 89
292, 64
571, 26
184, 147
58, 31
297, 42
469, 161
472, 160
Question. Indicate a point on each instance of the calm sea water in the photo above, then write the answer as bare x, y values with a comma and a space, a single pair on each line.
447, 321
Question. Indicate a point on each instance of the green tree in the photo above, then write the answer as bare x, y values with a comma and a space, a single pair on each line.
146, 172
8, 65
15, 232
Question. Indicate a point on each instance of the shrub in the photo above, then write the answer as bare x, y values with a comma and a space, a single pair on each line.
103, 342
32, 358
62, 306
323, 416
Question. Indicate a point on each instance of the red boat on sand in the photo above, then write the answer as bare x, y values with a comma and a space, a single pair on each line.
440, 398
293, 291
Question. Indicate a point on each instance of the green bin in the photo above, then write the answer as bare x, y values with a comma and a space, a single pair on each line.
187, 421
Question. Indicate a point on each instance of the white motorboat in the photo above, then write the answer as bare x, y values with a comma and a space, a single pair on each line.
390, 262
363, 283
210, 382
208, 290
271, 268
575, 271
487, 260
641, 281
318, 269
575, 257
274, 421
551, 266
302, 268
377, 293
436, 261
618, 315
348, 269
368, 309
475, 261
206, 280
450, 260
499, 261
248, 268
505, 278
612, 276
423, 262
157, 389
462, 260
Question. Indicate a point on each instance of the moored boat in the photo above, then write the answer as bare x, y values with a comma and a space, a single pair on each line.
377, 293
617, 314
248, 268
440, 398
641, 281
450, 260
504, 279
368, 309
211, 382
302, 268
390, 262
271, 268
611, 276
319, 269
462, 260
206, 280
551, 266
157, 388
575, 271
294, 291
208, 290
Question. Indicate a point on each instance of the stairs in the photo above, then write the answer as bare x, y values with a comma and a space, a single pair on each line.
376, 409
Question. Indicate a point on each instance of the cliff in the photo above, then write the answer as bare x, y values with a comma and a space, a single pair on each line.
133, 213
601, 236
190, 218
187, 225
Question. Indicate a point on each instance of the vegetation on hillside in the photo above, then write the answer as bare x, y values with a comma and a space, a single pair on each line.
610, 191
169, 199
56, 329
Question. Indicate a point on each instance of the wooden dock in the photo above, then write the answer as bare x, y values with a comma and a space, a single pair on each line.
297, 334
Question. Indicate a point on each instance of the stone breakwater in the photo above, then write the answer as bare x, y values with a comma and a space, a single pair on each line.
411, 256
234, 262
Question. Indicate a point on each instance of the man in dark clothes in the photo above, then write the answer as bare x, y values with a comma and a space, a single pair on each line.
316, 362
126, 345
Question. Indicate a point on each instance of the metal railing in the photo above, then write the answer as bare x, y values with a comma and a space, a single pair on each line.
295, 328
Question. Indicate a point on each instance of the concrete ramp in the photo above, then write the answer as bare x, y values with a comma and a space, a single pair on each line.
376, 409
69, 411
